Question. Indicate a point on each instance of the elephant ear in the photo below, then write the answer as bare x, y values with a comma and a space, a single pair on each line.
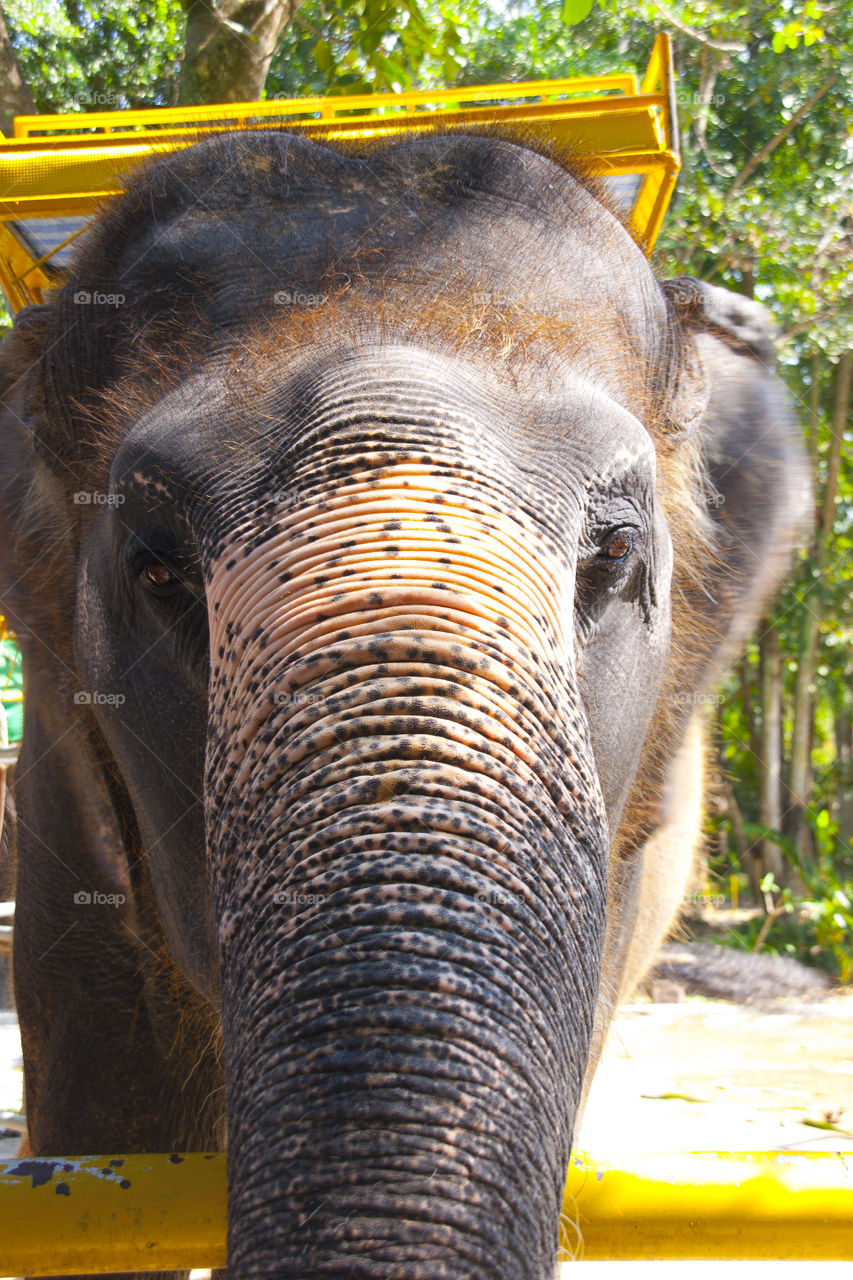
742, 323
753, 465
739, 323
35, 537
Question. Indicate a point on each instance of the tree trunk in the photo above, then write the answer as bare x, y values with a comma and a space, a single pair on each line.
745, 853
15, 97
770, 759
744, 671
800, 782
842, 809
229, 47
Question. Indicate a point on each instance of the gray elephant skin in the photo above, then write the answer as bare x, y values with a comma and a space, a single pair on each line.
377, 528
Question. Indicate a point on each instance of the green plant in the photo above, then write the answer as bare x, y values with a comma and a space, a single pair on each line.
815, 927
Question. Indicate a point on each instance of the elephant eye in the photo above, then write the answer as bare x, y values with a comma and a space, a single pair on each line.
159, 577
617, 545
162, 566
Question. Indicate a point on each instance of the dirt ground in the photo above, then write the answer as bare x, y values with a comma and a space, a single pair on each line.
700, 1075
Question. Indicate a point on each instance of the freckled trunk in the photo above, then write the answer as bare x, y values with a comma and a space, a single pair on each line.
408, 861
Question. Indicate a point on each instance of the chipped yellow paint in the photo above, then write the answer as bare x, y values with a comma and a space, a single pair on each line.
97, 1214
111, 1213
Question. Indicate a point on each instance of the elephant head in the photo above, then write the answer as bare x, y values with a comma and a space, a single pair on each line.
364, 577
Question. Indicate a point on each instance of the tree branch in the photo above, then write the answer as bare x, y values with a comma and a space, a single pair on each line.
752, 165
724, 46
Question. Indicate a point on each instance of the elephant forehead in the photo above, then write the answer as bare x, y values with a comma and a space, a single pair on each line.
250, 434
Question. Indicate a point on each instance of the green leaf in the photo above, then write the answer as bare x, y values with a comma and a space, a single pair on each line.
323, 56
575, 11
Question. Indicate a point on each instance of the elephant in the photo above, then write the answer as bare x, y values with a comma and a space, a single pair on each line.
378, 528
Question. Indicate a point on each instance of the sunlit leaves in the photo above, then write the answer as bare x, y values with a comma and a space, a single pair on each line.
575, 10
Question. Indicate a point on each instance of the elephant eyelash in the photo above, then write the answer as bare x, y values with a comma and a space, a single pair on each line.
612, 549
164, 573
618, 546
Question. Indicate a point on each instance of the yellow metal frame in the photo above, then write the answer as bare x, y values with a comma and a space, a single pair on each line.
162, 1212
66, 165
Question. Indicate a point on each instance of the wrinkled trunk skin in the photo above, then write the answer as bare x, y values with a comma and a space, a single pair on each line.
407, 847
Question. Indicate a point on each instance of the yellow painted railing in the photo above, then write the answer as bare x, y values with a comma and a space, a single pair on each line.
58, 169
159, 1212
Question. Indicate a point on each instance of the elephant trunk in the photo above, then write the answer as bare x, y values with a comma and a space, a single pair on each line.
407, 848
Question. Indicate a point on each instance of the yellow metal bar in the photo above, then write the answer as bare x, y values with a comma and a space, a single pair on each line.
38, 179
66, 166
99, 1214
112, 1213
21, 279
723, 1205
236, 114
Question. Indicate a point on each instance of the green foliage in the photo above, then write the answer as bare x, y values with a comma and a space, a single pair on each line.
98, 57
367, 46
815, 927
805, 29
